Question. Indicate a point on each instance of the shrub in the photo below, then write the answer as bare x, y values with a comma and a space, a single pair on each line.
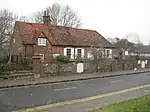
61, 59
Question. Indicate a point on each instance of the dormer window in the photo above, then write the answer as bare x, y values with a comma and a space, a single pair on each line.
42, 41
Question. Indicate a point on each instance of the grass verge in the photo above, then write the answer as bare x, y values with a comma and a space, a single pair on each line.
141, 104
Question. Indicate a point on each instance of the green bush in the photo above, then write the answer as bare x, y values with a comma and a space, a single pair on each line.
61, 59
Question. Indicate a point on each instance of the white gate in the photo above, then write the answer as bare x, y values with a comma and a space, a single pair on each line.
80, 68
143, 64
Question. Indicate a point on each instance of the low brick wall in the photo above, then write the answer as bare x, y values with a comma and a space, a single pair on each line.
90, 67
62, 69
123, 65
53, 69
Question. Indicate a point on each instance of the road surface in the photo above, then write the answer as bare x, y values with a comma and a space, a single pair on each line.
25, 97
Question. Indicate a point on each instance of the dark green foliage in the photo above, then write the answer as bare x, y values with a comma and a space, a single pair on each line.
61, 59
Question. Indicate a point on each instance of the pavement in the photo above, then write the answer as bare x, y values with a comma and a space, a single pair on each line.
75, 96
57, 79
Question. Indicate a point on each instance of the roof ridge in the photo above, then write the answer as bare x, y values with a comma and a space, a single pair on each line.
58, 26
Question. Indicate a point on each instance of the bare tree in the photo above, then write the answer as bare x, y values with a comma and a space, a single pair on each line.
6, 26
97, 56
60, 15
24, 19
112, 40
6, 29
123, 45
135, 38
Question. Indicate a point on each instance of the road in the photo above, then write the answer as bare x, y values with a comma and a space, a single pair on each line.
25, 97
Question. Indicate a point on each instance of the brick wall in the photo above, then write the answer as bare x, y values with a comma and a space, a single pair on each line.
90, 67
55, 69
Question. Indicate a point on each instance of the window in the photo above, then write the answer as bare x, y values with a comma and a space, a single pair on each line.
107, 53
139, 61
126, 53
146, 61
79, 53
42, 41
68, 53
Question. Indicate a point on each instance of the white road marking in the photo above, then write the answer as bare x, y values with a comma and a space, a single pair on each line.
62, 89
91, 84
115, 81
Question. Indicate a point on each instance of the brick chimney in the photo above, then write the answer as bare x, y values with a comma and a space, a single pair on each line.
46, 18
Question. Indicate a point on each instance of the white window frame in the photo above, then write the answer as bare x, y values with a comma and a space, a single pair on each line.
82, 52
139, 61
68, 54
72, 52
79, 54
42, 41
126, 53
146, 61
110, 53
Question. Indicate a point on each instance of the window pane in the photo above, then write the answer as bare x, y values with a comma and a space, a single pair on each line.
69, 53
41, 41
79, 51
44, 41
107, 53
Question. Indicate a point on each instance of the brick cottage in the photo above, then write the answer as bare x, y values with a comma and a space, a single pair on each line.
50, 40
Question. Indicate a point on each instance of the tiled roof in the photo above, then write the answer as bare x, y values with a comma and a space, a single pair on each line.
142, 49
59, 35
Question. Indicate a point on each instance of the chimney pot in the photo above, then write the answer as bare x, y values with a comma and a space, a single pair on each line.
46, 17
45, 13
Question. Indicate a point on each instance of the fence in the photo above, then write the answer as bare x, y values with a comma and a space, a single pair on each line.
17, 65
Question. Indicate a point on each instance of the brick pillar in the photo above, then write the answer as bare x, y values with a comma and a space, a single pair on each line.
37, 64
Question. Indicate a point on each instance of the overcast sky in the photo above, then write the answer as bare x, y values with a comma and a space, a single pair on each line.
110, 18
